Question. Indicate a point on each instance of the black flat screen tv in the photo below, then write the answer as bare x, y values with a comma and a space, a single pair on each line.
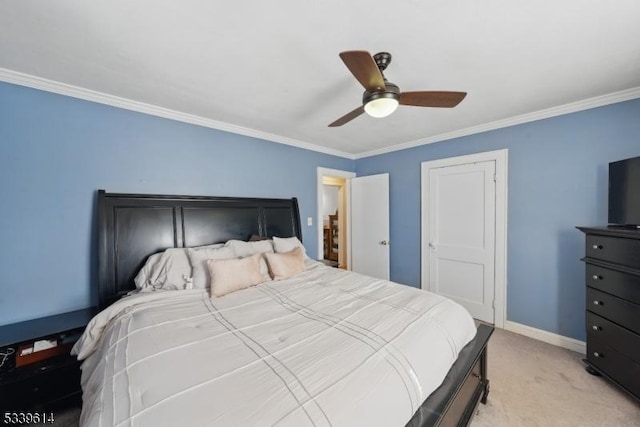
624, 192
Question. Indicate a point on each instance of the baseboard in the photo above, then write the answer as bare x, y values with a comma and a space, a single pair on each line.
545, 336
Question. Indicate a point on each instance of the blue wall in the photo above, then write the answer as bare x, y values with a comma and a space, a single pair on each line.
56, 151
557, 179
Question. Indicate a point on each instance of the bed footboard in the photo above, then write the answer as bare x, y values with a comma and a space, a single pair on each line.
466, 384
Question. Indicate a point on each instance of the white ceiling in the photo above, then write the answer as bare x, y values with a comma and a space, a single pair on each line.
272, 67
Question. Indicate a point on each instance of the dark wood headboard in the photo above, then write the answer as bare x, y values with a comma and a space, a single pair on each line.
133, 226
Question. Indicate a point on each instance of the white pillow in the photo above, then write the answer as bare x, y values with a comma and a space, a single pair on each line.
211, 246
229, 275
167, 270
286, 244
198, 258
245, 249
149, 269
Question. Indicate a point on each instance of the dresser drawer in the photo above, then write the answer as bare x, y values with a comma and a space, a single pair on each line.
614, 249
620, 339
617, 310
616, 365
623, 285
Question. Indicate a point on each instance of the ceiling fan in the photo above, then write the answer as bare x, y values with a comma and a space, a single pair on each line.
381, 97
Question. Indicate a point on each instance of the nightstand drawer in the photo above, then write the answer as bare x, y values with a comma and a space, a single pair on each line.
617, 310
614, 249
623, 285
49, 378
45, 384
616, 337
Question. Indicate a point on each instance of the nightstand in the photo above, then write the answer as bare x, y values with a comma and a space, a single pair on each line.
47, 378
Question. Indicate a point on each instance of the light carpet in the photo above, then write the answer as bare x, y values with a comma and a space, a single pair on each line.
538, 384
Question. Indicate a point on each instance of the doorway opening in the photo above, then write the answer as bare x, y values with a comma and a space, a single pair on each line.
334, 217
333, 213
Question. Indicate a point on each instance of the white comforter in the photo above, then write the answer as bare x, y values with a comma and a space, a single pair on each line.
324, 348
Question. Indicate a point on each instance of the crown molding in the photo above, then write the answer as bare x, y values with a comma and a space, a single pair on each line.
40, 83
586, 104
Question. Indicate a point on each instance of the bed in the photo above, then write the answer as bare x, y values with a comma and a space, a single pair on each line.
324, 347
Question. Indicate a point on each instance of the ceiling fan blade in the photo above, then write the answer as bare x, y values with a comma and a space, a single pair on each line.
347, 117
432, 99
364, 68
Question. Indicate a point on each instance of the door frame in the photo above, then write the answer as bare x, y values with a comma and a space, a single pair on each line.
500, 157
322, 172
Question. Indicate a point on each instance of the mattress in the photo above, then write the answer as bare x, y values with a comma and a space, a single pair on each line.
324, 348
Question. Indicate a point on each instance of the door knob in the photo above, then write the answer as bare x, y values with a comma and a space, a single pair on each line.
383, 242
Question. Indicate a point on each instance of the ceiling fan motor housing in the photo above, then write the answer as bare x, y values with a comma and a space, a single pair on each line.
391, 91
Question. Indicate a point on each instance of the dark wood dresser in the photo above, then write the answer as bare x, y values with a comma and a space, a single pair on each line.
613, 305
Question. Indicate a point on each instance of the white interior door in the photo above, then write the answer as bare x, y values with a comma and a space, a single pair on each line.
370, 225
462, 218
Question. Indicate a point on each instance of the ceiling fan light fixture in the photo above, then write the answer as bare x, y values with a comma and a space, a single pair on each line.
381, 104
381, 97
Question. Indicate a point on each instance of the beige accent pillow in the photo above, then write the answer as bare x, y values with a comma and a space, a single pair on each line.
287, 264
231, 275
244, 249
198, 259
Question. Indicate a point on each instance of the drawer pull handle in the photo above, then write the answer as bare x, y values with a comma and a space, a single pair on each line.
596, 328
597, 247
596, 354
596, 302
596, 277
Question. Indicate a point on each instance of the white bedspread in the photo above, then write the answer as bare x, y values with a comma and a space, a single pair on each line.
325, 348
